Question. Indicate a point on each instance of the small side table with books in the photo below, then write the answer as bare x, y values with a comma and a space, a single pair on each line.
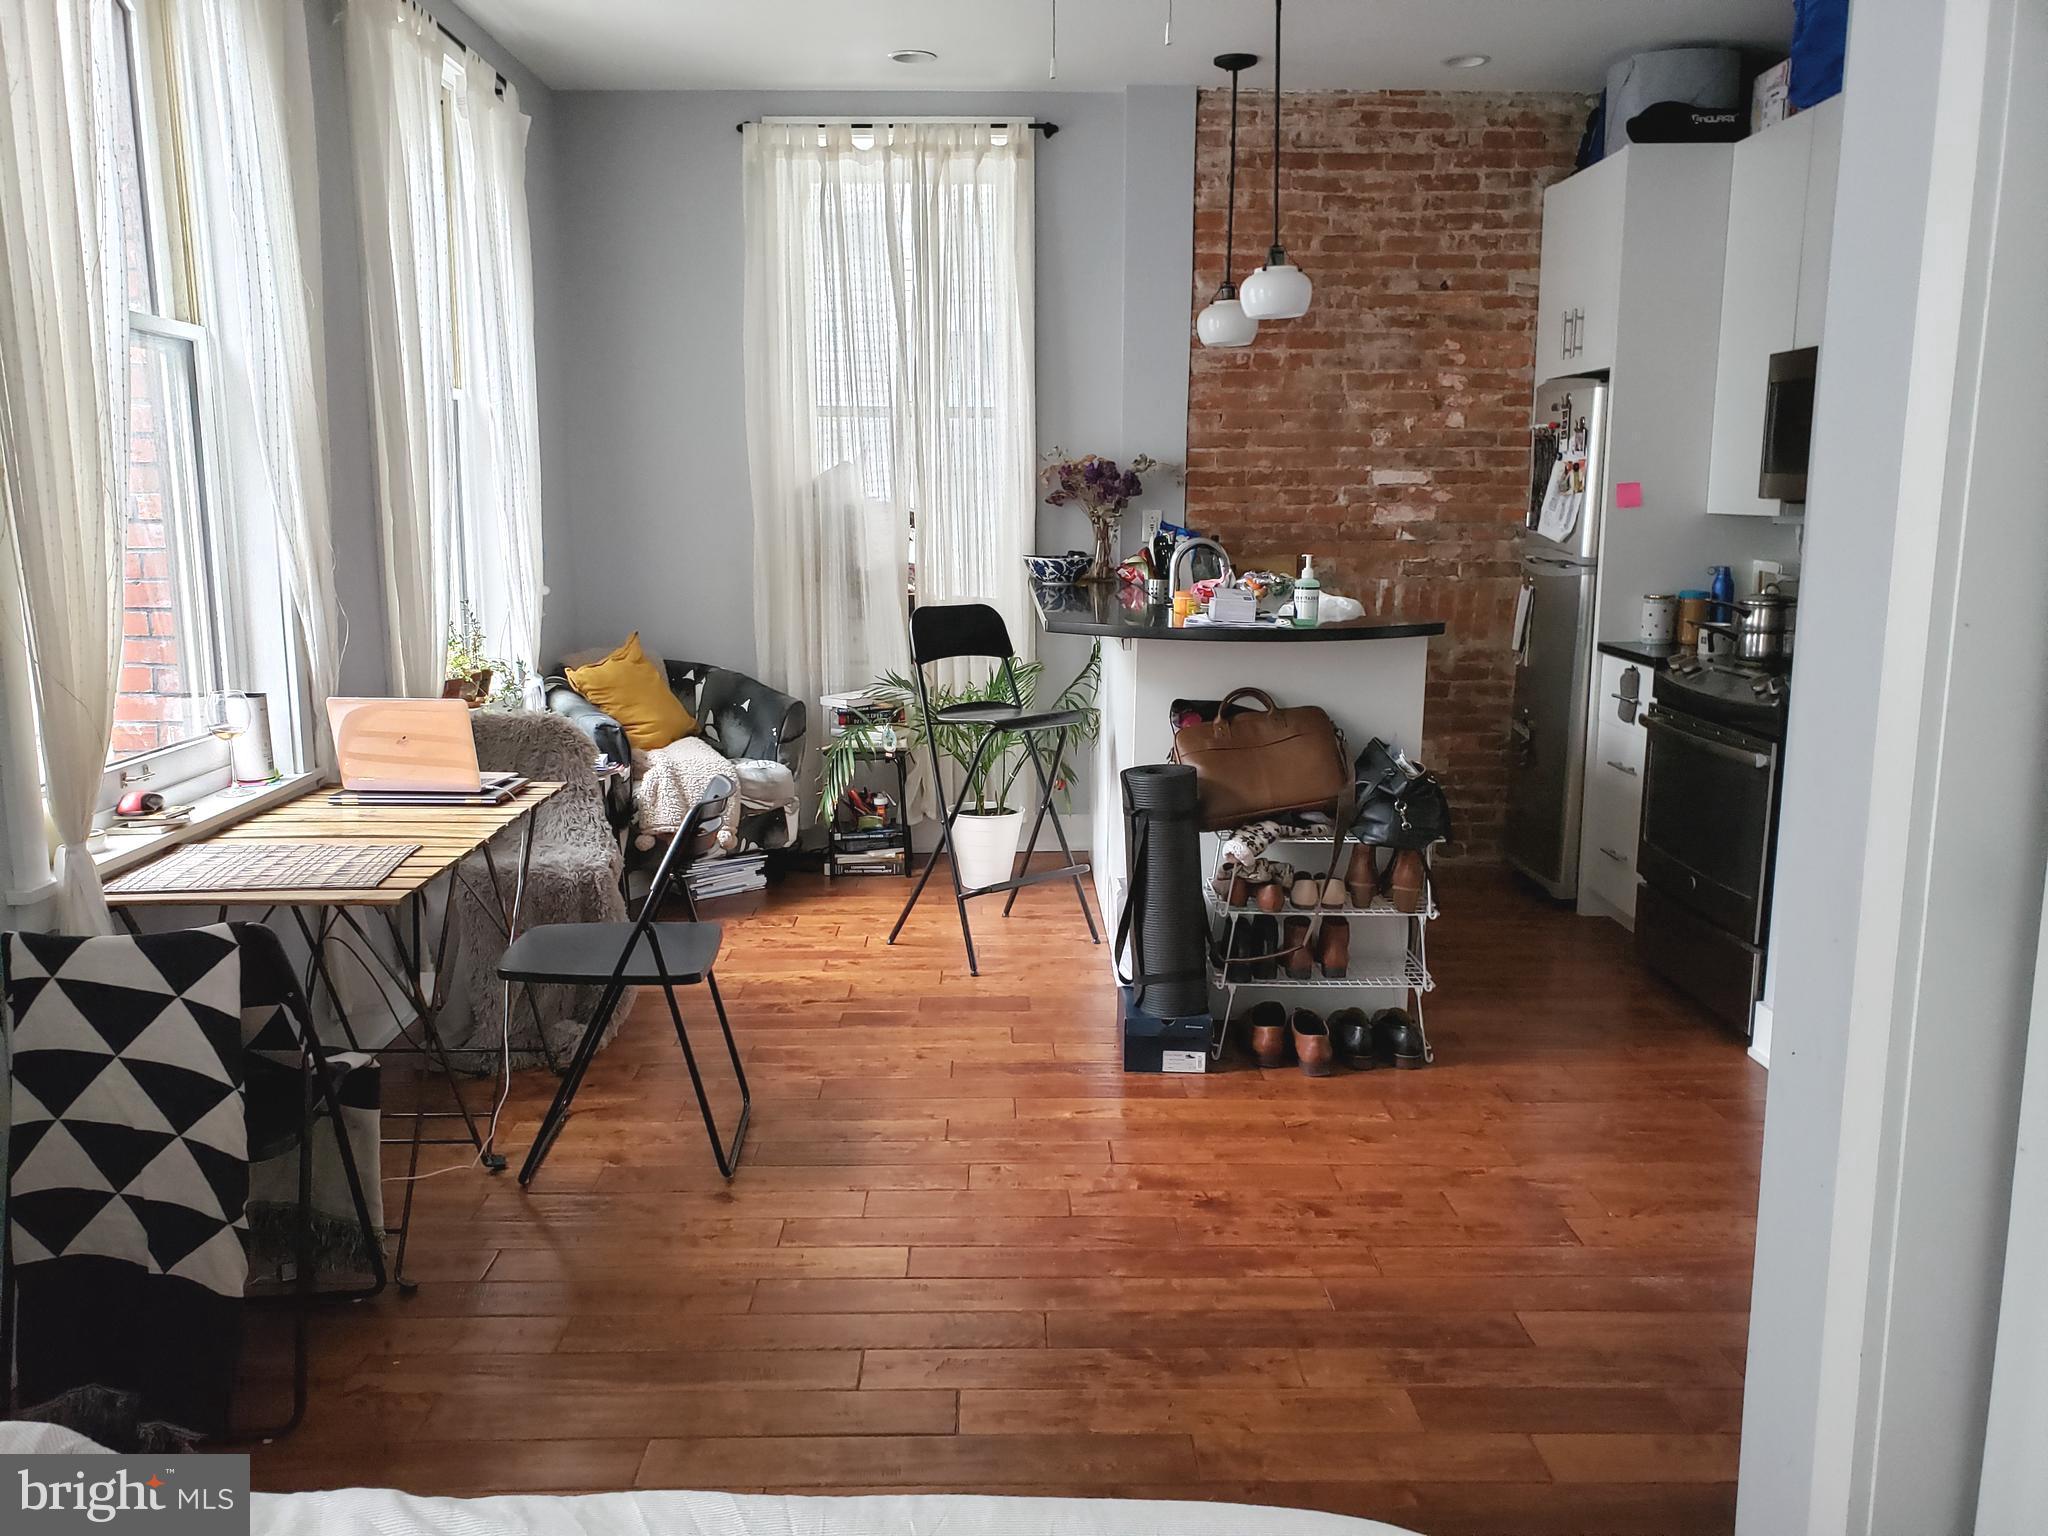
877, 842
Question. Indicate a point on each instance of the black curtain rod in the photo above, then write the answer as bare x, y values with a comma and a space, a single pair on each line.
449, 33
1048, 129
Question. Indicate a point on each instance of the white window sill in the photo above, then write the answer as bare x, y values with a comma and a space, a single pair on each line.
126, 850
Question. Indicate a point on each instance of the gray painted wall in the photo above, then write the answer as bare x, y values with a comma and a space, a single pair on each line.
351, 447
658, 500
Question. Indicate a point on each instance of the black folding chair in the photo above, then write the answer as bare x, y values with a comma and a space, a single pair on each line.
941, 633
641, 953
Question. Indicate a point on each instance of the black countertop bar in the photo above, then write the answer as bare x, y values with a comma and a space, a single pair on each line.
1096, 610
1654, 654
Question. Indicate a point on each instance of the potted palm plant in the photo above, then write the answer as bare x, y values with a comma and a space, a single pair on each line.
992, 795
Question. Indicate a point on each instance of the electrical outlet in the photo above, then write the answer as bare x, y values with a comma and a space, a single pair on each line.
1763, 572
1152, 522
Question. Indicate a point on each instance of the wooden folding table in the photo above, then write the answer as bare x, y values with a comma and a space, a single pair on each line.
444, 839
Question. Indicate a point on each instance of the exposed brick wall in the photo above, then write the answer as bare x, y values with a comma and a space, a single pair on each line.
1386, 432
151, 707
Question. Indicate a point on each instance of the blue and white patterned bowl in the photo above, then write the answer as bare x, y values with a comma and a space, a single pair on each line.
1058, 570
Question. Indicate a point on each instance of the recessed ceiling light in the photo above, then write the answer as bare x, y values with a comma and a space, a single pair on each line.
1467, 60
913, 56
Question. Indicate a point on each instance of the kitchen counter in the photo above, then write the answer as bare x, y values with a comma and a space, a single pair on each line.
1102, 612
1368, 690
1655, 655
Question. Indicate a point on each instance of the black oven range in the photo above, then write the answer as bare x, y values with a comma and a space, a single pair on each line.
1710, 829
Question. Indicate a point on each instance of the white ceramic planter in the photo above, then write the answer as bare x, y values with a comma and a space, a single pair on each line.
985, 847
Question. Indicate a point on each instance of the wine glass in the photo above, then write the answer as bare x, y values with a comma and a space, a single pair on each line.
222, 714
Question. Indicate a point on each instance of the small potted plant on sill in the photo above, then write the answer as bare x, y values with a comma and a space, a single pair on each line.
469, 671
1102, 488
991, 819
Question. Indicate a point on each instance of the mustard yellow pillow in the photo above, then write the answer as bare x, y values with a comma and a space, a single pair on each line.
632, 690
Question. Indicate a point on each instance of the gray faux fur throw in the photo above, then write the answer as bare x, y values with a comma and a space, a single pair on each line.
573, 878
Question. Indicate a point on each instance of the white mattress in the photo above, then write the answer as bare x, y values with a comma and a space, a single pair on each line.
386, 1512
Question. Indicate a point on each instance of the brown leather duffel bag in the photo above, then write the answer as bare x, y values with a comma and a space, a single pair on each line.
1264, 762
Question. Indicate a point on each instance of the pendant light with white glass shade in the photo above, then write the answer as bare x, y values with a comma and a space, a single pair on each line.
1224, 323
1279, 290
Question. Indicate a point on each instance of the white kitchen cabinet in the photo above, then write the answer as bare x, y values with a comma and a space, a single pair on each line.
1774, 287
1615, 751
1581, 270
1822, 164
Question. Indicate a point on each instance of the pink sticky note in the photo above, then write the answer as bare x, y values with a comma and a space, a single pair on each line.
1628, 493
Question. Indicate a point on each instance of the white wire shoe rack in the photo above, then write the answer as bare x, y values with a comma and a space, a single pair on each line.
1409, 973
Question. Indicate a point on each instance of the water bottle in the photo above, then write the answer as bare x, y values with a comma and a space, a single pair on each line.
1723, 589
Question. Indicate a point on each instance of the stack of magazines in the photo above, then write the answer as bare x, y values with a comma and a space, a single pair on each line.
710, 879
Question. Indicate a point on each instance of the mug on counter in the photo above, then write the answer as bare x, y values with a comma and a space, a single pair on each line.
1660, 618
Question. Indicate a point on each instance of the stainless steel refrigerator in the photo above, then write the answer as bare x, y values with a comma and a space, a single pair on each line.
1553, 634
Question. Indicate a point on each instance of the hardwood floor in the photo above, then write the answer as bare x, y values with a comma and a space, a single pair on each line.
967, 1253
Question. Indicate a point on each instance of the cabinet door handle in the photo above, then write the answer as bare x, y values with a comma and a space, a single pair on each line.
1618, 858
1620, 767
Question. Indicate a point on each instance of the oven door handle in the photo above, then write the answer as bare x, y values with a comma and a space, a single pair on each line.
1662, 720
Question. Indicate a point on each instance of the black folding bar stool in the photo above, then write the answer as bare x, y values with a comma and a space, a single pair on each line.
641, 953
943, 632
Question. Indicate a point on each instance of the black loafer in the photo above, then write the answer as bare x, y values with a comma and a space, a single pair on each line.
1351, 1032
1398, 1039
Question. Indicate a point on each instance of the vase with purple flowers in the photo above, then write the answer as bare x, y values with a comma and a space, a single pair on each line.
1102, 488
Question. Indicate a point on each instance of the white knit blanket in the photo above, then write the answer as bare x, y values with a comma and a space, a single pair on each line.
671, 779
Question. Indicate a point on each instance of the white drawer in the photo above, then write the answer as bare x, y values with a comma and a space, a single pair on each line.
1607, 855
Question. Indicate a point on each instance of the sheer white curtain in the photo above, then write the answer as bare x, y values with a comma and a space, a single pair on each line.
243, 65
395, 63
968, 442
63, 404
499, 417
888, 378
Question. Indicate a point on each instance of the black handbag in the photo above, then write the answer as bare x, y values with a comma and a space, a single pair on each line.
1397, 808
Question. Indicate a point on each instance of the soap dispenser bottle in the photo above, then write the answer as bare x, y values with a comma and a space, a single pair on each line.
1308, 595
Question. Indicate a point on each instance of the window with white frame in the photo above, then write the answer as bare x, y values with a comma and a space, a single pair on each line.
204, 610
477, 589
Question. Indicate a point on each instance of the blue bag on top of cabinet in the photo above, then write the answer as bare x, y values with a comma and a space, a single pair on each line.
1820, 36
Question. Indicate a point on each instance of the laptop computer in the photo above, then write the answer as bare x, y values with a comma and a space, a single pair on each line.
405, 747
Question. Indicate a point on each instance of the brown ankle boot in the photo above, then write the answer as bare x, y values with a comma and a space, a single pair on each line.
1408, 880
1362, 876
1333, 947
1299, 961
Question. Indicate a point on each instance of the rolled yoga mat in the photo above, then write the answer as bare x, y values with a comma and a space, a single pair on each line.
1165, 921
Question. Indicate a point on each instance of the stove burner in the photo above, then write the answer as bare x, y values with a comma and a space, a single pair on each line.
1742, 694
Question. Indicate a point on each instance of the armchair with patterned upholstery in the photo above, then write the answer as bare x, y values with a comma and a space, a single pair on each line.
741, 716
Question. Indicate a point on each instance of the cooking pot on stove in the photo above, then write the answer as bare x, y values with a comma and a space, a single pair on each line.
1762, 629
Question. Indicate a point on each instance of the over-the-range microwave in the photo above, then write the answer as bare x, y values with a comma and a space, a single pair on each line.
1788, 425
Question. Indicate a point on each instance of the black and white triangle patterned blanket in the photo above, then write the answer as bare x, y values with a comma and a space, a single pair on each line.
128, 1167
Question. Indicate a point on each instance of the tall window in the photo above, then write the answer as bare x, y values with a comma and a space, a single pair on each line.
440, 148
189, 626
889, 384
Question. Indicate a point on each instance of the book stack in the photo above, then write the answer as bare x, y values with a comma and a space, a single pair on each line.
864, 706
710, 879
879, 861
